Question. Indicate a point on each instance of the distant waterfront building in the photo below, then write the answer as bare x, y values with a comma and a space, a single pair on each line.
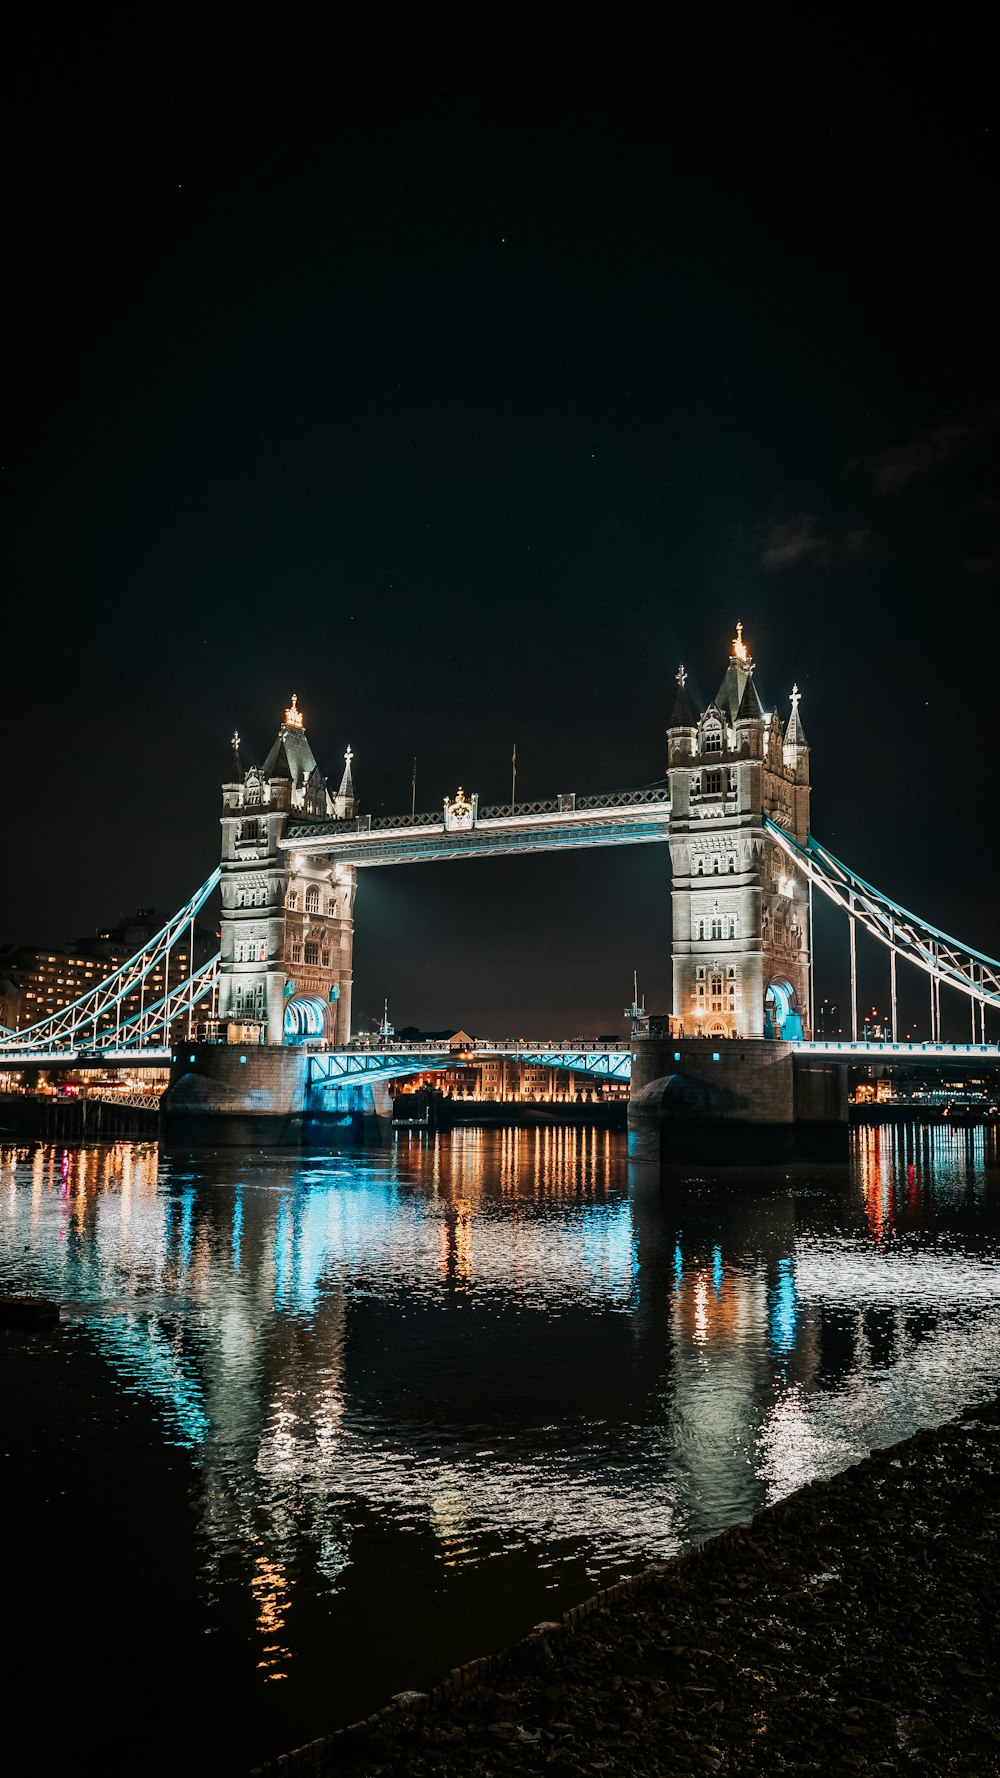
38, 980
741, 940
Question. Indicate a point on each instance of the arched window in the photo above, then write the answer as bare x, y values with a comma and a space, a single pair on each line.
731, 865
732, 928
699, 930
312, 953
715, 867
331, 907
292, 899
717, 928
312, 899
713, 738
699, 869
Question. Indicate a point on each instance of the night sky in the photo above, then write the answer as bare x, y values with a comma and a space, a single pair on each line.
465, 390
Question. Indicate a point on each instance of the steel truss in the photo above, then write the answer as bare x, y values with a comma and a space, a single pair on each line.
101, 1020
945, 960
334, 1068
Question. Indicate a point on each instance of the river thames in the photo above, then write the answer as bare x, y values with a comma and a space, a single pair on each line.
317, 1427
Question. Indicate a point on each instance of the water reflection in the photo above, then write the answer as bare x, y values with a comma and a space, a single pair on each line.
496, 1354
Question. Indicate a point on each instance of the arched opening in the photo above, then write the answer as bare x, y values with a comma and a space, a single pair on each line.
305, 1019
781, 1014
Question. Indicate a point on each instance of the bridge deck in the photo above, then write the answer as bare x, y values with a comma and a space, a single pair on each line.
627, 818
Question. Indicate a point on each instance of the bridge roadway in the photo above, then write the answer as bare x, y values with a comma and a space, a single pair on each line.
622, 818
608, 1061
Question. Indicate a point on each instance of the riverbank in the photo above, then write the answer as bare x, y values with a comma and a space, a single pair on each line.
849, 1628
46, 1117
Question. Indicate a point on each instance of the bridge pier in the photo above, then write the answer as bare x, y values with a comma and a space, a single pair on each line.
260, 1095
735, 1100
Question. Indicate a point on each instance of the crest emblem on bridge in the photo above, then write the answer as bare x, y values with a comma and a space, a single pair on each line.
460, 812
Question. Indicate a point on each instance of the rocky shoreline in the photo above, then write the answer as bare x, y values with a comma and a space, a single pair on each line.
852, 1627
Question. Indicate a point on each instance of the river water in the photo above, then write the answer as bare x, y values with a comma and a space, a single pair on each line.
317, 1427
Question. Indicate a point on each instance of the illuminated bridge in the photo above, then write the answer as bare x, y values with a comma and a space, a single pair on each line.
733, 809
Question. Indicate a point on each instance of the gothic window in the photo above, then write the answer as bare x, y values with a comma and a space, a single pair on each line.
716, 986
696, 787
731, 865
312, 899
732, 974
331, 907
713, 783
326, 959
312, 953
732, 928
699, 931
701, 972
699, 869
731, 784
715, 867
261, 953
296, 953
717, 928
713, 738
250, 830
293, 899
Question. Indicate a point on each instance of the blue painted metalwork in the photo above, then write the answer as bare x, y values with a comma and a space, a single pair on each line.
946, 959
333, 1068
304, 1019
83, 1024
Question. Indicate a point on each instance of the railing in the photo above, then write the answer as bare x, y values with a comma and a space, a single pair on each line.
566, 804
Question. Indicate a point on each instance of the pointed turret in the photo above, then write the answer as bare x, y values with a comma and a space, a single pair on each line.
345, 802
684, 714
795, 750
291, 756
739, 671
682, 729
795, 734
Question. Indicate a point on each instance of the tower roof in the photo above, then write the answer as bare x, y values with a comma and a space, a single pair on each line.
750, 704
795, 734
739, 670
291, 756
684, 714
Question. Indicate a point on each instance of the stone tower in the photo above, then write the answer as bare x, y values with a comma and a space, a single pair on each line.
741, 939
287, 933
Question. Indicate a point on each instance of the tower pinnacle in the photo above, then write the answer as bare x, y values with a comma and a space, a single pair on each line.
739, 650
293, 715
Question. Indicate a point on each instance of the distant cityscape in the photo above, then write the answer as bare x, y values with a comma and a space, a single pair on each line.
38, 980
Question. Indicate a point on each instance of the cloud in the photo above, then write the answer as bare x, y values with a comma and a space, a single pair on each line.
899, 466
791, 541
985, 566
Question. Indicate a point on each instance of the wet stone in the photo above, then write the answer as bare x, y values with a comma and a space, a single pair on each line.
842, 1634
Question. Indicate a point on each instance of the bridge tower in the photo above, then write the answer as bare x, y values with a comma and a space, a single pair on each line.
741, 938
287, 934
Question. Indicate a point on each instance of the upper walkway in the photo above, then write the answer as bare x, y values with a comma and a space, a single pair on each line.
461, 829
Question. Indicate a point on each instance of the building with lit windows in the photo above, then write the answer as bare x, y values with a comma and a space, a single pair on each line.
36, 981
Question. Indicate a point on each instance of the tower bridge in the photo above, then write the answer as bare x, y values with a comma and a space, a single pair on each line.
734, 809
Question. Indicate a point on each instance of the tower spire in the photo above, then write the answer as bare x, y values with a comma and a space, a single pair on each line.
293, 715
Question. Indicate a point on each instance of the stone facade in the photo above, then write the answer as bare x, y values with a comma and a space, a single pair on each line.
287, 933
741, 940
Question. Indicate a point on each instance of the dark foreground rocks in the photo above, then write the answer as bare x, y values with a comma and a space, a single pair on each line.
854, 1627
